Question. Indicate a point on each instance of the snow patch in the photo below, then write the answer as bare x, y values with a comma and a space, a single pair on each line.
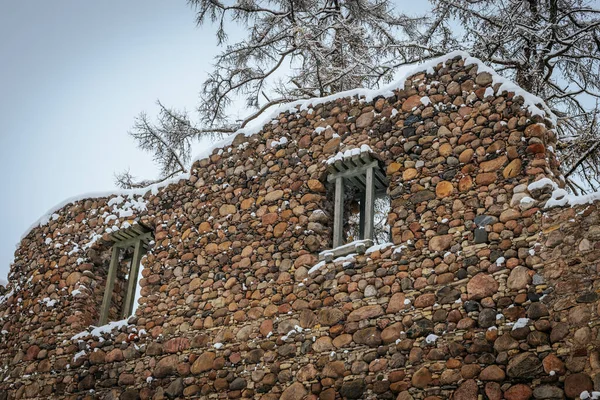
561, 198
489, 91
378, 247
48, 302
541, 184
587, 395
365, 148
521, 323
316, 267
100, 330
282, 141
78, 355
431, 338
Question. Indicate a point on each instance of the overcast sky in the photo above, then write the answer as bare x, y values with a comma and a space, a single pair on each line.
73, 75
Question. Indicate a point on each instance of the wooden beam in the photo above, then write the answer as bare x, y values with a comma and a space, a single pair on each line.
352, 172
338, 216
132, 281
370, 204
110, 284
131, 242
361, 223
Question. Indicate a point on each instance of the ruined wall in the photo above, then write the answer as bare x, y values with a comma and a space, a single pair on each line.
230, 310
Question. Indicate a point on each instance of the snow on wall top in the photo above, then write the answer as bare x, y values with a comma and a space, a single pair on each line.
532, 103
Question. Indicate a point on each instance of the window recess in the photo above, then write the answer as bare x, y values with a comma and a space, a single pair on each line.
129, 246
361, 204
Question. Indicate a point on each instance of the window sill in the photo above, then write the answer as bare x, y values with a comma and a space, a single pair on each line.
358, 246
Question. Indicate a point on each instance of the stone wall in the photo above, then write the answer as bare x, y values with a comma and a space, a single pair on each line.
230, 310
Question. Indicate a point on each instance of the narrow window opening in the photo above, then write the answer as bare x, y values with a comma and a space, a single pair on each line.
361, 205
122, 290
354, 222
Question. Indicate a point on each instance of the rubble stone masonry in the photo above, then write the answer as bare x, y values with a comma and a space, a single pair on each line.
228, 308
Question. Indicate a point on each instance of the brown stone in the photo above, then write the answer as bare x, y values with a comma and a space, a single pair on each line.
493, 165
552, 363
468, 390
114, 355
425, 300
535, 130
444, 189
481, 285
505, 342
342, 340
269, 218
322, 344
306, 373
274, 196
391, 333
518, 392
524, 365
368, 336
203, 363
330, 316
365, 119
96, 357
465, 183
493, 391
513, 169
227, 209
296, 391
305, 142
509, 215
279, 229
486, 178
332, 145
334, 369
316, 185
445, 149
422, 378
246, 204
305, 260
393, 168
166, 366
176, 345
73, 278
365, 313
409, 173
536, 148
484, 79
577, 383
492, 373
440, 243
410, 103
266, 327
396, 303
519, 278
466, 156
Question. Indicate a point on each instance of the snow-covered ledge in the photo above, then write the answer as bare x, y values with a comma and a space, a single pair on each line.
358, 246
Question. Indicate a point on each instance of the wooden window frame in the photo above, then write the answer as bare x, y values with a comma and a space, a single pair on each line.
364, 172
138, 237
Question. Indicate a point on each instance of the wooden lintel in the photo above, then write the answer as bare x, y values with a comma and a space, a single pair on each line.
352, 172
131, 242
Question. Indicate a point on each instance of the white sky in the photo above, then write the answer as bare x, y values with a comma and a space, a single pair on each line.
73, 75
